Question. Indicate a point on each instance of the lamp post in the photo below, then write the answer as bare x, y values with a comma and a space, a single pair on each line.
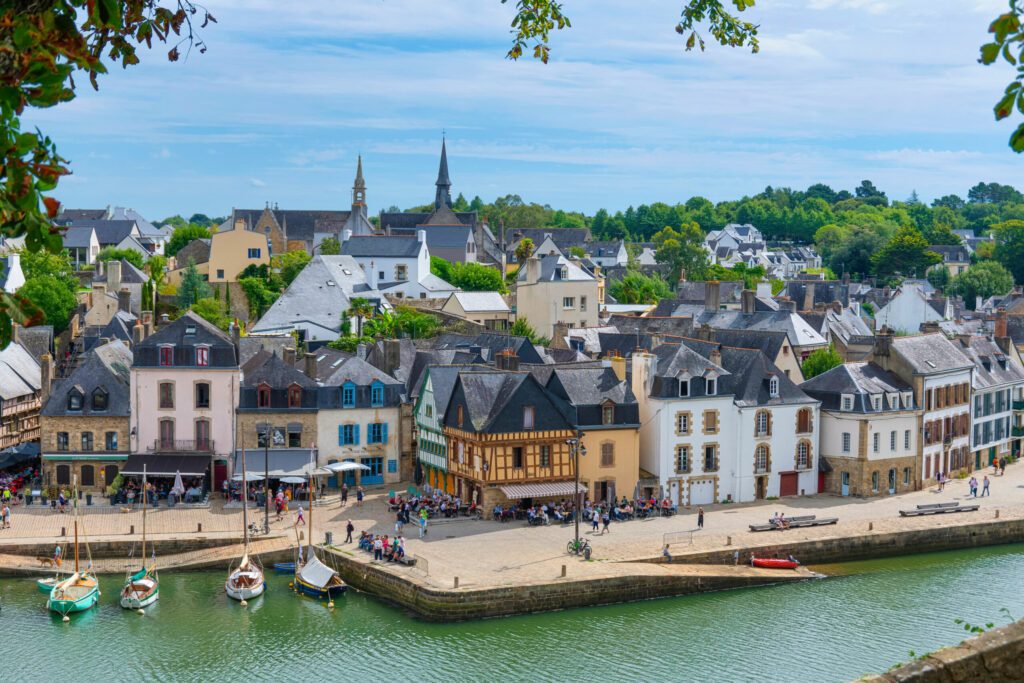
577, 449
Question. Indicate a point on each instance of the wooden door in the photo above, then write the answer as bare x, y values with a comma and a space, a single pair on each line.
788, 483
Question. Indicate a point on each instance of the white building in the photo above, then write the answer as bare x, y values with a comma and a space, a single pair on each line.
12, 277
397, 265
997, 379
608, 254
910, 306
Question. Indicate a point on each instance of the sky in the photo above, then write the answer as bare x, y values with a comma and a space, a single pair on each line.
289, 93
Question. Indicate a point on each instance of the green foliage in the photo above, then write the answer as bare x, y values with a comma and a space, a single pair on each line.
330, 247
1009, 248
348, 344
820, 361
777, 286
192, 287
361, 309
472, 277
183, 235
522, 328
260, 296
113, 254
682, 250
1008, 43
577, 252
157, 268
524, 249
51, 296
906, 254
39, 263
984, 279
290, 264
415, 324
637, 288
212, 310
939, 277
750, 277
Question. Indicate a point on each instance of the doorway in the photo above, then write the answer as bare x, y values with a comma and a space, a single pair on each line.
845, 485
760, 488
892, 481
788, 483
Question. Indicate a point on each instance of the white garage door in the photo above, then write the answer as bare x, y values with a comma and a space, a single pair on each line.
702, 493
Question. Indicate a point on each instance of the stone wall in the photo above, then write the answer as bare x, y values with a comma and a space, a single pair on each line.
249, 438
994, 657
861, 469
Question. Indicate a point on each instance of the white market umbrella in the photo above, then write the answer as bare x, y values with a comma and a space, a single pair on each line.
179, 486
294, 480
345, 466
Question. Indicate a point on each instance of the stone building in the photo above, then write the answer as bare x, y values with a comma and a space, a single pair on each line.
23, 383
869, 433
86, 421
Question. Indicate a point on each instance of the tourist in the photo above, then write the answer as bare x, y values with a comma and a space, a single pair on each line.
666, 554
984, 486
344, 494
378, 549
5, 516
399, 521
423, 523
595, 520
359, 496
972, 486
735, 558
700, 518
605, 521
942, 482
299, 518
1002, 466
56, 555
349, 528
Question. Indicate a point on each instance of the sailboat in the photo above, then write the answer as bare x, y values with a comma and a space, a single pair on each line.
246, 580
46, 584
142, 588
81, 590
313, 577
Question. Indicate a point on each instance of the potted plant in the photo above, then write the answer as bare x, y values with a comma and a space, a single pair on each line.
114, 487
88, 499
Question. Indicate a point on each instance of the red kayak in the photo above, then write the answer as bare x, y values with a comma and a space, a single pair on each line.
771, 563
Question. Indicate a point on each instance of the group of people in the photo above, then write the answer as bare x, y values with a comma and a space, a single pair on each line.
436, 504
972, 484
779, 520
383, 548
599, 515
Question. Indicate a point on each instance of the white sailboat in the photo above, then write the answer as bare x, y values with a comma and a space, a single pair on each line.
313, 577
142, 588
245, 581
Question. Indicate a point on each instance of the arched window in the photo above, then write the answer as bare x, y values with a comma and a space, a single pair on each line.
773, 387
762, 423
99, 399
263, 396
295, 396
804, 423
803, 455
63, 475
761, 459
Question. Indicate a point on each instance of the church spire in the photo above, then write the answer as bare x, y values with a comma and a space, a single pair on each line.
359, 188
444, 184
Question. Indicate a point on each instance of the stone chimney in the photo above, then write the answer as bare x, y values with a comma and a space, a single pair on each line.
165, 319
532, 269
288, 356
138, 333
716, 355
837, 306
124, 300
883, 343
310, 370
45, 377
787, 305
808, 297
712, 296
619, 367
706, 333
747, 299
362, 351
964, 338
236, 339
113, 275
506, 359
930, 327
559, 335
371, 276
392, 356
147, 322
1000, 326
100, 265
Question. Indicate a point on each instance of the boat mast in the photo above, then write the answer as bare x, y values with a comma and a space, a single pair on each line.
145, 495
245, 505
74, 501
311, 465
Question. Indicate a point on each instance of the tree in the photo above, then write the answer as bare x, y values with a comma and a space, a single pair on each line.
415, 323
905, 254
330, 247
524, 249
260, 296
522, 328
157, 267
1010, 246
471, 277
820, 361
40, 263
867, 190
182, 236
113, 254
981, 280
290, 264
683, 250
361, 309
577, 252
212, 310
637, 288
201, 219
939, 277
441, 268
50, 295
192, 287
993, 193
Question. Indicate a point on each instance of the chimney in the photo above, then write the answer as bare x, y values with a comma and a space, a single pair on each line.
371, 276
619, 366
100, 268
506, 359
392, 356
764, 290
421, 235
559, 336
886, 292
930, 327
346, 235
236, 339
787, 305
883, 342
1000, 326
964, 338
138, 333
837, 306
288, 356
706, 332
45, 376
361, 351
846, 278
716, 355
712, 296
164, 319
532, 269
682, 274
147, 322
979, 303
124, 300
310, 359
809, 297
113, 275
747, 298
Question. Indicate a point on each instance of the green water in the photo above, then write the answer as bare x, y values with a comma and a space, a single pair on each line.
829, 630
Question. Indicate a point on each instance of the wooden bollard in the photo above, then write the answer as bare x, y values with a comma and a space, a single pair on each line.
131, 530
63, 531
997, 513
199, 528
563, 571
728, 540
456, 582
871, 526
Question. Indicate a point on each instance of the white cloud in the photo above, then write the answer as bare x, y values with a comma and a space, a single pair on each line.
256, 182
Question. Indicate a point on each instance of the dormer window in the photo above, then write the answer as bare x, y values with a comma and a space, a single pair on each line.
847, 402
295, 396
263, 396
684, 387
710, 386
876, 403
75, 400
563, 274
190, 329
377, 395
908, 399
348, 395
608, 413
99, 399
203, 355
167, 356
773, 387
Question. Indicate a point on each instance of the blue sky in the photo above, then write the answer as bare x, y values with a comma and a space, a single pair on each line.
290, 92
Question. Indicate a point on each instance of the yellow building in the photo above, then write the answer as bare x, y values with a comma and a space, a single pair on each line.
232, 251
554, 289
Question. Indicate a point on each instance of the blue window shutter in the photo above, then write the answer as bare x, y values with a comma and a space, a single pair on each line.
341, 435
384, 433
355, 434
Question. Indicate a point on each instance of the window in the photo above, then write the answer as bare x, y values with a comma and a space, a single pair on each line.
528, 417
545, 456
294, 438
458, 412
110, 443
710, 386
295, 396
75, 400
876, 442
166, 355
202, 435
682, 423
874, 482
86, 441
906, 476
63, 475
761, 459
847, 403
220, 273
803, 455
167, 433
428, 410
99, 399
377, 432
846, 442
348, 395
908, 399
762, 424
711, 458
88, 475
203, 355
263, 396
682, 458
348, 435
894, 401
710, 421
517, 458
906, 440
377, 395
583, 303
166, 391
608, 414
401, 273
255, 252
563, 273
62, 441
773, 387
804, 421
202, 395
568, 302
876, 403
892, 440
684, 387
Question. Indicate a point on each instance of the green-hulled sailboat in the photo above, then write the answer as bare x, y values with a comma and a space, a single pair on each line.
81, 590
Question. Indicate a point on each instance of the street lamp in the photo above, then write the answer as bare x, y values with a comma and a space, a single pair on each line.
576, 448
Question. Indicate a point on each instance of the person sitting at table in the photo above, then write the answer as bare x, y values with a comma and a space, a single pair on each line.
498, 512
559, 515
666, 504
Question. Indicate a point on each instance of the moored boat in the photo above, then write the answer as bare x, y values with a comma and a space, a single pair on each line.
142, 588
313, 577
773, 563
245, 581
81, 590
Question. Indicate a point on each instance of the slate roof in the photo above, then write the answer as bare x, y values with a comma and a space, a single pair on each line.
604, 249
20, 373
68, 215
481, 301
359, 372
550, 270
728, 291
384, 246
442, 380
37, 340
107, 367
415, 219
198, 250
248, 347
622, 343
862, 380
588, 390
298, 224
107, 232
800, 333
992, 367
930, 353
327, 362
825, 292
406, 357
78, 237
768, 342
680, 326
493, 403
178, 333
957, 253
268, 368
562, 237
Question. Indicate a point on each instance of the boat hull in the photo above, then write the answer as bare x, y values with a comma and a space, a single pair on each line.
45, 586
771, 563
141, 593
73, 603
253, 586
317, 592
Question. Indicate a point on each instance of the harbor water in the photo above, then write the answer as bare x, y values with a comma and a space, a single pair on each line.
870, 616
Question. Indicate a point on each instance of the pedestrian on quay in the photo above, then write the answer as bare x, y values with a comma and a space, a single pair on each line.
399, 521
735, 558
595, 520
972, 486
666, 554
1002, 466
378, 549
605, 521
300, 519
359, 496
344, 494
700, 518
56, 555
984, 486
349, 528
423, 525
5, 516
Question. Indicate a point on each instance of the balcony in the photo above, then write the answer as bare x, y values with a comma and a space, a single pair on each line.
1018, 404
1017, 431
182, 446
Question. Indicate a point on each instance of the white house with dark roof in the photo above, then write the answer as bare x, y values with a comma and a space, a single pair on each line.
997, 381
554, 289
911, 306
12, 277
484, 308
397, 265
82, 244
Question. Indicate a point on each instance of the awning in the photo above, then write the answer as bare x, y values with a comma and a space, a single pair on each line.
16, 455
279, 462
824, 465
294, 427
545, 490
160, 465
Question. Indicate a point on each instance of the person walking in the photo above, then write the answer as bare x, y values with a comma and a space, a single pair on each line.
349, 528
984, 486
5, 516
423, 526
605, 521
344, 494
700, 518
972, 486
1002, 466
399, 521
595, 520
56, 555
300, 519
359, 496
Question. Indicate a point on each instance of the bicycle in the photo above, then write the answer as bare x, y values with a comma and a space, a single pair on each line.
581, 547
256, 530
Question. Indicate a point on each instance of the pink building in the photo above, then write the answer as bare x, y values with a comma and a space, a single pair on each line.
184, 389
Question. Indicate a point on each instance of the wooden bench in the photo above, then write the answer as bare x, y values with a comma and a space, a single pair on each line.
933, 506
938, 510
795, 523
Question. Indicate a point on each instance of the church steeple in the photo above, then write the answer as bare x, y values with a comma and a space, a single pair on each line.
444, 184
359, 188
